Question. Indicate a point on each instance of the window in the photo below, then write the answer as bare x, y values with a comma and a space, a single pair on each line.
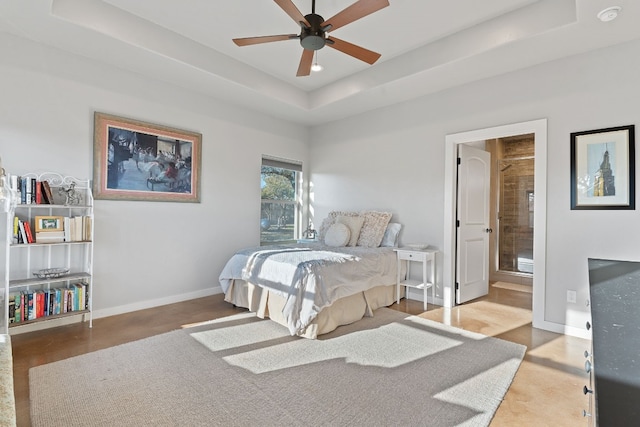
280, 206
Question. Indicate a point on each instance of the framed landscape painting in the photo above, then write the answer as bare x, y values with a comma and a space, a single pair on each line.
603, 169
134, 160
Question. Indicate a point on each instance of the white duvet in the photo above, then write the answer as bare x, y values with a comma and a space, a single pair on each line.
311, 276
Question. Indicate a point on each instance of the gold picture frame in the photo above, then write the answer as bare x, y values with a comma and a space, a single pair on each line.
48, 223
136, 160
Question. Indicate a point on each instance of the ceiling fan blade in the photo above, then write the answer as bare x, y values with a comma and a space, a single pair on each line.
246, 41
357, 10
356, 51
292, 11
304, 69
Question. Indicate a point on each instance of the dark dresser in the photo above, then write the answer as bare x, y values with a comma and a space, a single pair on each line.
614, 288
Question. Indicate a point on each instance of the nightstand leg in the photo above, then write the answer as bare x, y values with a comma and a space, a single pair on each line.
398, 282
424, 282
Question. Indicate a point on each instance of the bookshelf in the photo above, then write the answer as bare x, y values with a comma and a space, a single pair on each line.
47, 271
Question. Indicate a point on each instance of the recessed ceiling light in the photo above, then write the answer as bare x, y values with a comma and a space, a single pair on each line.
609, 14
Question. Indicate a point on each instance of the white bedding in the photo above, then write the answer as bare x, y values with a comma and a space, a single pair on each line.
311, 276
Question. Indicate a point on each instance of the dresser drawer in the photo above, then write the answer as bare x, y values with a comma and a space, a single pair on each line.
412, 255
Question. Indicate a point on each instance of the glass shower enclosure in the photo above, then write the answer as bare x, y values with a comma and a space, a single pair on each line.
515, 215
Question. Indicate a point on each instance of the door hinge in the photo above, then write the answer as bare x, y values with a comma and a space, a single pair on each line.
457, 286
459, 160
457, 223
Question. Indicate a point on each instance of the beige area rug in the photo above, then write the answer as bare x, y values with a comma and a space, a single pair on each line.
513, 287
390, 369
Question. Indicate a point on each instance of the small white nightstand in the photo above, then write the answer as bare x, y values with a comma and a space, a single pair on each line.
427, 258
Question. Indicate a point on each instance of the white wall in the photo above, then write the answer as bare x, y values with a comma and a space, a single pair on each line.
393, 158
146, 253
150, 253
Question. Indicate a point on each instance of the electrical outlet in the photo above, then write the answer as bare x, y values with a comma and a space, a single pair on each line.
571, 296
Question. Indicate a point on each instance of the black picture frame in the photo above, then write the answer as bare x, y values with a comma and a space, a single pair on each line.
603, 169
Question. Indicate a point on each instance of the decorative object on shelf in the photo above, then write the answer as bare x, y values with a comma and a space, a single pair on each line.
134, 160
309, 233
5, 191
51, 273
603, 169
72, 197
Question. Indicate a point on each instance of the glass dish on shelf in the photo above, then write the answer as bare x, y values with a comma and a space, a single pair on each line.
418, 246
51, 273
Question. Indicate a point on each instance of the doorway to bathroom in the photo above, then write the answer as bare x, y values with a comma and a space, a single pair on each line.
512, 209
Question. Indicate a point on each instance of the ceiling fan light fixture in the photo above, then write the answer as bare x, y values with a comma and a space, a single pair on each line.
314, 30
609, 14
316, 67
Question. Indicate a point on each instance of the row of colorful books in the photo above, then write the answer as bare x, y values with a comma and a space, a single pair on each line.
52, 229
31, 191
34, 304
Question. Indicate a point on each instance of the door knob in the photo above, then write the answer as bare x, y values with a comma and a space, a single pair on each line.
586, 390
488, 230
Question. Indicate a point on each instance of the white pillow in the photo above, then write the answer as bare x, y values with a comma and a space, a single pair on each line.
355, 224
390, 238
337, 235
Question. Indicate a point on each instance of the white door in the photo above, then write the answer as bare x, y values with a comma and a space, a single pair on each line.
472, 242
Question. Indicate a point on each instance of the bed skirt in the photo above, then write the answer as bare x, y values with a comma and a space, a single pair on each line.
342, 312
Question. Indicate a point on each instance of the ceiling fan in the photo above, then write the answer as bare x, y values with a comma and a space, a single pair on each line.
313, 35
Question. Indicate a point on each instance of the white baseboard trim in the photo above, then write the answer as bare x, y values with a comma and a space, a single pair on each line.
417, 295
112, 311
121, 309
559, 328
46, 324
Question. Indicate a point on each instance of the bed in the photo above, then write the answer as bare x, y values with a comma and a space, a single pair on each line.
312, 288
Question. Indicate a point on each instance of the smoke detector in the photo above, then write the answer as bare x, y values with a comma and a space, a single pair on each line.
609, 14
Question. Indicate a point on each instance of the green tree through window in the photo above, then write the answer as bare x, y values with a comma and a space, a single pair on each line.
279, 207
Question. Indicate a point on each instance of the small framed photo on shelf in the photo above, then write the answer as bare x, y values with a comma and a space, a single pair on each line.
603, 169
135, 160
49, 223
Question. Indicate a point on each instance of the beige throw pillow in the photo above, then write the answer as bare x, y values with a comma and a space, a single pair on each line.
372, 232
330, 220
355, 224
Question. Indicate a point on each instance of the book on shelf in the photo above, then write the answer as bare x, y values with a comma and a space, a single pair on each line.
23, 233
30, 190
23, 190
33, 184
23, 310
49, 236
12, 309
30, 306
38, 192
53, 229
29, 232
16, 230
37, 304
46, 190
